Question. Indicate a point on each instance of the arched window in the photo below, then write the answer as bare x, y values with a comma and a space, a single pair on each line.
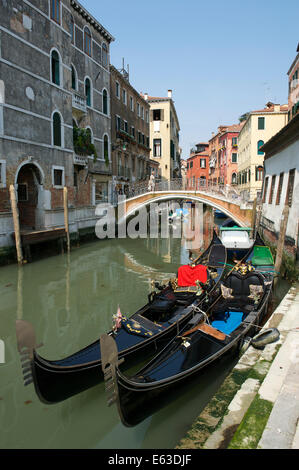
74, 78
57, 140
105, 102
259, 145
259, 173
87, 41
104, 55
106, 149
234, 178
55, 63
88, 91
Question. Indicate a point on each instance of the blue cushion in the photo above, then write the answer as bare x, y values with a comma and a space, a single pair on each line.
227, 322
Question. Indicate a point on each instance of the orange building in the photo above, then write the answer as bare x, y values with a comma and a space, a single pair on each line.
198, 166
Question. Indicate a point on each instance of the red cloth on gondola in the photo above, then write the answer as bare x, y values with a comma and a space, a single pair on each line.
187, 275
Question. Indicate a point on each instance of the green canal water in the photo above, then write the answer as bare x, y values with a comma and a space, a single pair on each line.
70, 301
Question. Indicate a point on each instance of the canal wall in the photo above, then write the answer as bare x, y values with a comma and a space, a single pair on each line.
257, 406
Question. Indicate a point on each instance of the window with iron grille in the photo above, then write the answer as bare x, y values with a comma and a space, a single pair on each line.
22, 192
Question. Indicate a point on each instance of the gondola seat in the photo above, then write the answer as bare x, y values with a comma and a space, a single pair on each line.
243, 290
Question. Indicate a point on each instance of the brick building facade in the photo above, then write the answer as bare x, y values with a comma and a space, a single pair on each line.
54, 79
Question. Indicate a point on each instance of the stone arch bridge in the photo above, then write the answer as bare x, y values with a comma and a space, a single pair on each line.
226, 199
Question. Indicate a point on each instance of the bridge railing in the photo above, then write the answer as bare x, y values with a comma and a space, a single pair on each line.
228, 192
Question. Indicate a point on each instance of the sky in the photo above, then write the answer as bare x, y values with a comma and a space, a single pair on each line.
220, 58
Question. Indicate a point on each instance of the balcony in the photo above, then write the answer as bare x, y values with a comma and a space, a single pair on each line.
78, 103
80, 160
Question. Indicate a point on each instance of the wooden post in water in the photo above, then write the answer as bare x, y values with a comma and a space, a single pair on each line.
280, 244
253, 220
66, 218
16, 222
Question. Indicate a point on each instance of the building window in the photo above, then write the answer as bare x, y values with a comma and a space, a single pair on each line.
279, 189
88, 92
259, 171
272, 189
142, 112
58, 176
22, 192
133, 132
290, 188
157, 147
234, 157
138, 109
105, 54
146, 117
101, 192
105, 102
87, 41
157, 114
202, 163
124, 97
117, 92
259, 145
126, 126
191, 164
118, 123
172, 149
234, 178
55, 63
131, 104
2, 173
72, 29
55, 10
261, 123
57, 130
74, 78
106, 148
234, 141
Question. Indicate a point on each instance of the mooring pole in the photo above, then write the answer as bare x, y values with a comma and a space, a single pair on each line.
66, 218
16, 222
280, 244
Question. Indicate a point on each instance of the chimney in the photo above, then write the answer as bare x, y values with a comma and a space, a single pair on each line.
169, 93
276, 108
145, 96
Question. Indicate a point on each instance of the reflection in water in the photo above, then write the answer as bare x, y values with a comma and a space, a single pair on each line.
70, 300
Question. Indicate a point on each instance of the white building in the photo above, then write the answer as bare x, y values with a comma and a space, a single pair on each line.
281, 185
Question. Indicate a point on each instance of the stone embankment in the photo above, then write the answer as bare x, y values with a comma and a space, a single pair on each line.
257, 406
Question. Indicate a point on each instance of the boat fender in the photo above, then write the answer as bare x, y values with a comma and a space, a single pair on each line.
270, 335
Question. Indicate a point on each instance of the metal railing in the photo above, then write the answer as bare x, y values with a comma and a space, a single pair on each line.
227, 192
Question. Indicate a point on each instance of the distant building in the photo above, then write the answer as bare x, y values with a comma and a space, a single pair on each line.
164, 135
281, 186
54, 69
215, 156
198, 167
184, 173
258, 128
293, 100
228, 154
129, 132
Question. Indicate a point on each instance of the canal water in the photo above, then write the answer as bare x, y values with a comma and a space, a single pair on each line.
70, 301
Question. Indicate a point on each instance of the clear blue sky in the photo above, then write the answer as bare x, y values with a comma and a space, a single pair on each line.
220, 58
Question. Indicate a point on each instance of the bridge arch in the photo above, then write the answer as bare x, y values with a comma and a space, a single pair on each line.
230, 209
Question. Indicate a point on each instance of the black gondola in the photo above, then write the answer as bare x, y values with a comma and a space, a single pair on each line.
244, 298
145, 332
